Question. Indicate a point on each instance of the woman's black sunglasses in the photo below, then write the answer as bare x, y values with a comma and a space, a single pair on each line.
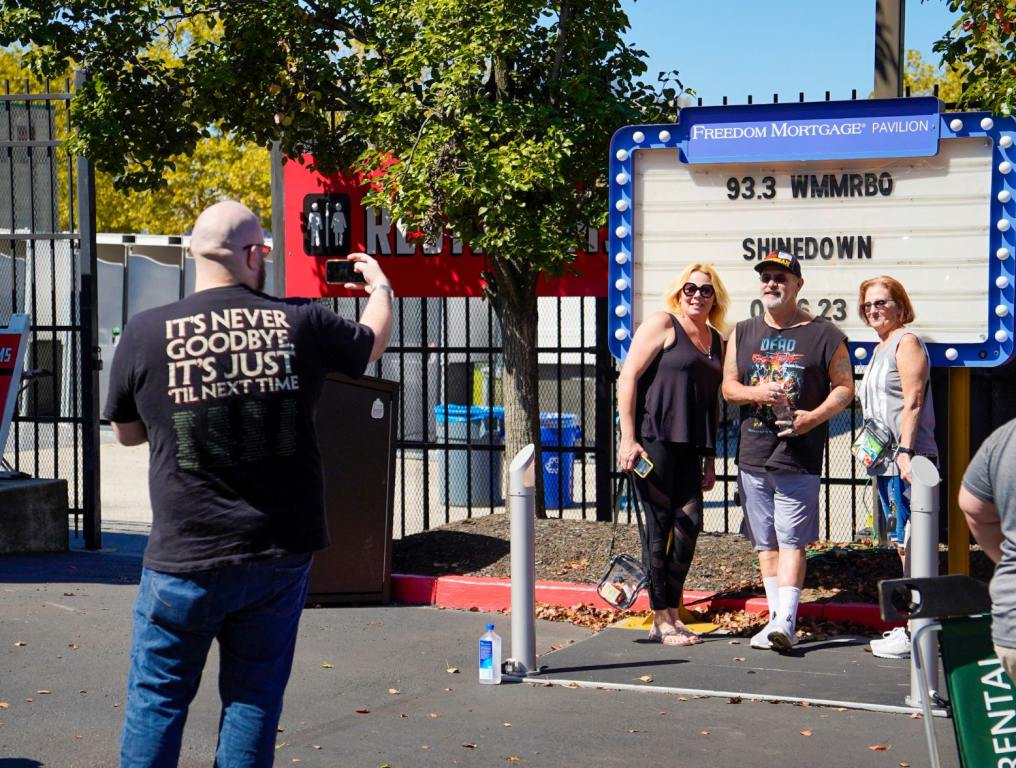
690, 289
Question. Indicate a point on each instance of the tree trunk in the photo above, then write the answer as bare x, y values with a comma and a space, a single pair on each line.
514, 298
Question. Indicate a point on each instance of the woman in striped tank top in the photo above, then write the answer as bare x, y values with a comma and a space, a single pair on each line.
896, 392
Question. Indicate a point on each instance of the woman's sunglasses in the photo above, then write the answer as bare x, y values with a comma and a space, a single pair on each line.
690, 289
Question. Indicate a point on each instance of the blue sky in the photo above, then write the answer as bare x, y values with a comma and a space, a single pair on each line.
760, 47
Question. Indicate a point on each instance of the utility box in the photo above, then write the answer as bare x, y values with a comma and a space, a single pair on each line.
356, 423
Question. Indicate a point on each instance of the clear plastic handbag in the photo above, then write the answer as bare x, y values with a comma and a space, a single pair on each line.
874, 447
626, 576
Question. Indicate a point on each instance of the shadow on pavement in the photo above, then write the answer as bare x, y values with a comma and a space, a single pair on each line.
640, 664
118, 562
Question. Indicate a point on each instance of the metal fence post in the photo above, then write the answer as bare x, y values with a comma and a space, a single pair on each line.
91, 362
923, 563
522, 503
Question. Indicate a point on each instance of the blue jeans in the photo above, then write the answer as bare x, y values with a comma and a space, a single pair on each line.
894, 495
253, 610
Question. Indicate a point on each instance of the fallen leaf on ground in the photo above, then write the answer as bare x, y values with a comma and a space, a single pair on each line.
280, 745
740, 658
4, 705
425, 746
636, 730
452, 670
317, 746
73, 646
435, 714
280, 728
806, 732
394, 691
733, 642
916, 716
573, 685
363, 711
403, 716
904, 765
43, 692
327, 665
20, 643
682, 698
704, 733
507, 725
469, 745
734, 700
513, 759
878, 747
646, 678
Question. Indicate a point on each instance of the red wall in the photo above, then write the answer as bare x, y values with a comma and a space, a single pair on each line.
453, 271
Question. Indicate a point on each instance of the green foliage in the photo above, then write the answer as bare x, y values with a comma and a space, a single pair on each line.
217, 168
500, 115
920, 79
982, 45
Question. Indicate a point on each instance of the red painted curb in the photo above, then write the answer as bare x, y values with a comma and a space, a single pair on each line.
494, 594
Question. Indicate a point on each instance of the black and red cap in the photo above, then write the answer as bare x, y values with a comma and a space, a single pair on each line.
780, 259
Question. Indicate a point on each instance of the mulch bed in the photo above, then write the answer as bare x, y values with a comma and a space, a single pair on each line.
577, 551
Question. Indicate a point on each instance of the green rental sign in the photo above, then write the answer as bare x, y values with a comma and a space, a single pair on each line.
982, 695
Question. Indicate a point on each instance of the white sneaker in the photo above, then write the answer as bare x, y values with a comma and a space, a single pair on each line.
782, 639
760, 639
895, 644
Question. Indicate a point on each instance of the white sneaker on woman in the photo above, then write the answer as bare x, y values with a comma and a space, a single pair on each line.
895, 644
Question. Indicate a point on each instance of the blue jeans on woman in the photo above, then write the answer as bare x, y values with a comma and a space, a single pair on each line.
253, 610
894, 495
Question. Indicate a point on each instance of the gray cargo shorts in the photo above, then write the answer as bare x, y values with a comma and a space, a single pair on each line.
780, 509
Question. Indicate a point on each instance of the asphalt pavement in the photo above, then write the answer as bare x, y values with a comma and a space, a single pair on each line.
372, 686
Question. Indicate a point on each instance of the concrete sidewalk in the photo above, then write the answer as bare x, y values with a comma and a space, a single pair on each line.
65, 624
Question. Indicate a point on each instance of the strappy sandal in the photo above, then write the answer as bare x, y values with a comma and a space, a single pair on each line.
657, 635
681, 637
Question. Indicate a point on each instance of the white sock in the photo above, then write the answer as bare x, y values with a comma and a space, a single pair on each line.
787, 614
772, 585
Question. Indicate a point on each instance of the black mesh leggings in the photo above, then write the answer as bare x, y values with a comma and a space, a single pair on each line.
672, 500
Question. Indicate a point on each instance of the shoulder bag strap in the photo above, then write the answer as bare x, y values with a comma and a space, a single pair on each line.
626, 483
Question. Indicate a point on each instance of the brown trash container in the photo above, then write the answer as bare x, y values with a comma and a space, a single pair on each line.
356, 423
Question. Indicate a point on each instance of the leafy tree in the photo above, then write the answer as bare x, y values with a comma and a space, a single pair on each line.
920, 79
488, 118
217, 169
982, 46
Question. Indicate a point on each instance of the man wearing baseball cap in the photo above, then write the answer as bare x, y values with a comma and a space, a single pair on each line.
790, 373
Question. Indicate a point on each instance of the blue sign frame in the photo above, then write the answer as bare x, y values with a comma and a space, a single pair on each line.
725, 145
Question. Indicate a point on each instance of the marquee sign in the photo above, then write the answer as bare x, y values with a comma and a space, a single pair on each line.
13, 343
325, 218
854, 189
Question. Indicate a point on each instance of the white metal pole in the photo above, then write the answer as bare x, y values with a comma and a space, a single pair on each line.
923, 562
522, 503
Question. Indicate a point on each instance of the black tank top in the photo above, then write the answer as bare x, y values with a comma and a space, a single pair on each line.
676, 397
798, 358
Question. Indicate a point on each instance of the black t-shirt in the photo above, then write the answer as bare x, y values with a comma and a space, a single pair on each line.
799, 359
226, 382
676, 396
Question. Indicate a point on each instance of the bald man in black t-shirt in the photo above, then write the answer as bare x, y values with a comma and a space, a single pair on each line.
223, 385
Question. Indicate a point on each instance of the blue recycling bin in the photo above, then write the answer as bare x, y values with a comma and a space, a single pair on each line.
473, 476
558, 430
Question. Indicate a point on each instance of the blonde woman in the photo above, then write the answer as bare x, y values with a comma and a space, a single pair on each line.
667, 400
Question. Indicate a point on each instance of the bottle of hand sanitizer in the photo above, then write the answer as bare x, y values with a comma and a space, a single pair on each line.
490, 657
